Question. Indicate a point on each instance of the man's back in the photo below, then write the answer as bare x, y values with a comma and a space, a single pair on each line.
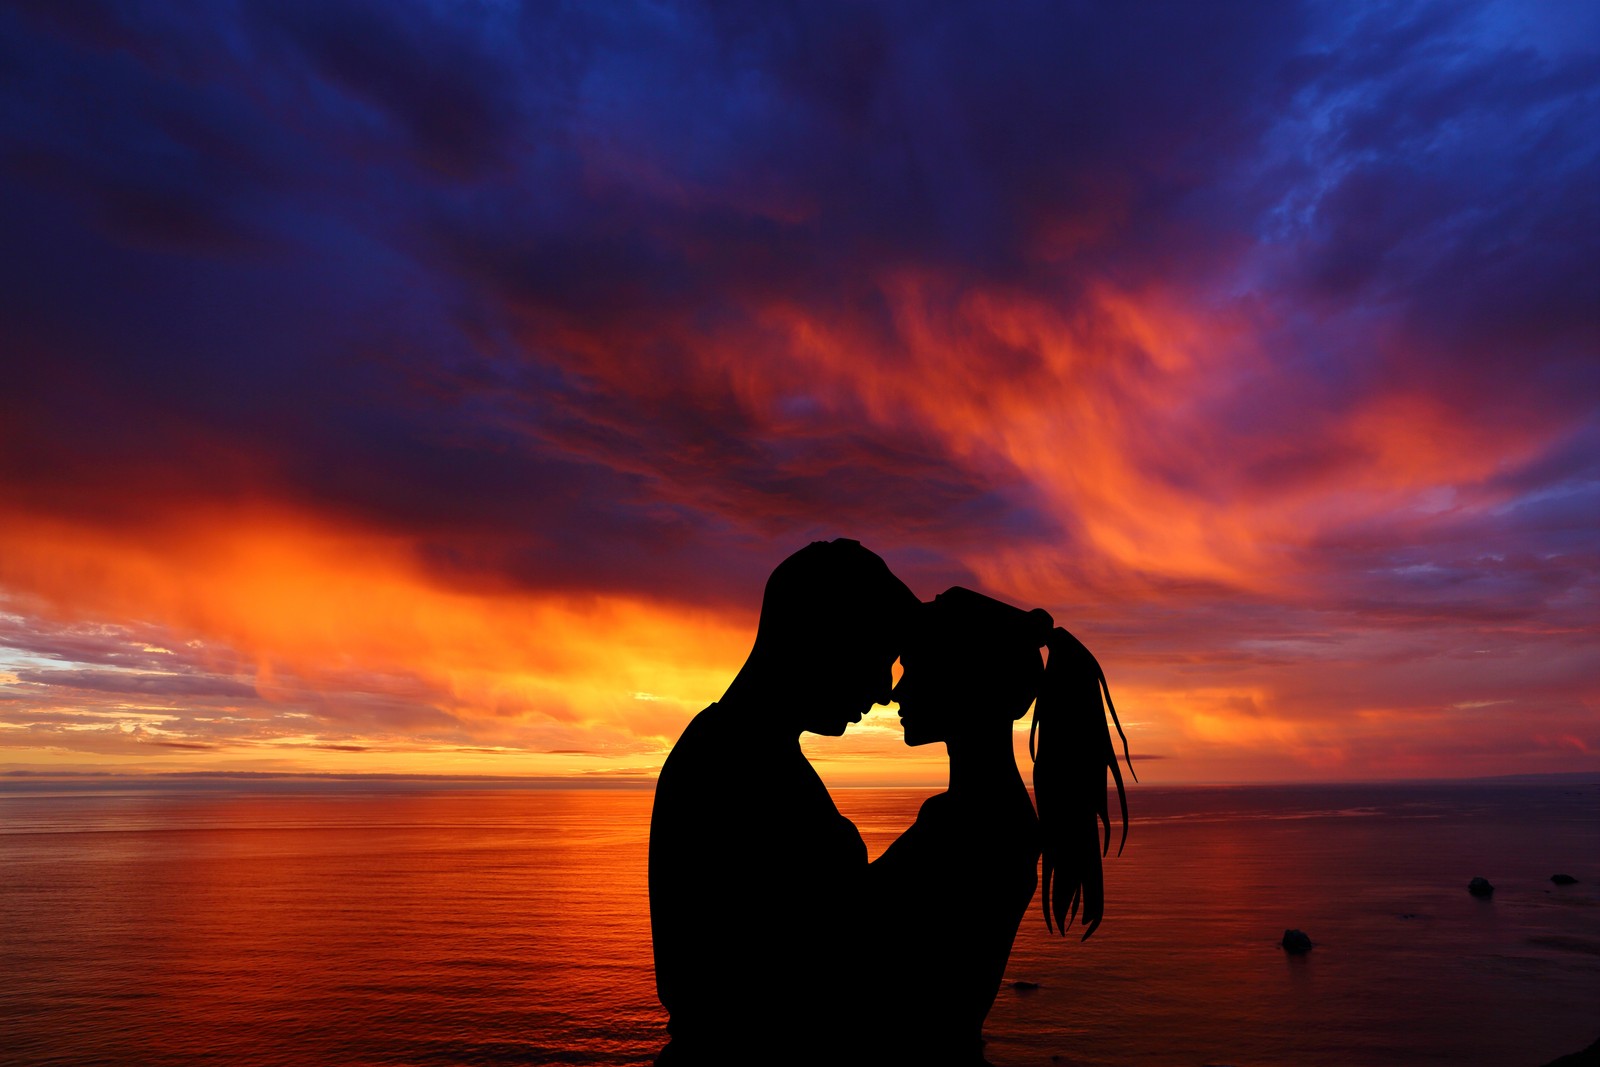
756, 883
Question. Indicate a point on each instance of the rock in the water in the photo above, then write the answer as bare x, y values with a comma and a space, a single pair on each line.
1296, 941
1480, 887
1024, 987
1563, 879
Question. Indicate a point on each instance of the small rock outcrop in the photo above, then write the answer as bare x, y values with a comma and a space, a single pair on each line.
1025, 987
1296, 941
1563, 879
1480, 887
1587, 1058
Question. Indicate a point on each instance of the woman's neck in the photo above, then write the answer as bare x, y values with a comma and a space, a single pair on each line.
981, 762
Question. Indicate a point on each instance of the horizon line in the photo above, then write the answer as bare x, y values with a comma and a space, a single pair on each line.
11, 780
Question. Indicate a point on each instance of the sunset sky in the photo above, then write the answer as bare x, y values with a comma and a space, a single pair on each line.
430, 387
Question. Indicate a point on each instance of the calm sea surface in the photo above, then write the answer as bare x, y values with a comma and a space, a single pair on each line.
505, 927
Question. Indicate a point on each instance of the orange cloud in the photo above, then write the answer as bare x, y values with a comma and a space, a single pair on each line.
322, 620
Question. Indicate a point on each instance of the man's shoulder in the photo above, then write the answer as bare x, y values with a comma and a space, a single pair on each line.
699, 763
702, 739
716, 762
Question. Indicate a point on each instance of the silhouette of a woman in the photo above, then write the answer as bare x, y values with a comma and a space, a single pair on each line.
960, 879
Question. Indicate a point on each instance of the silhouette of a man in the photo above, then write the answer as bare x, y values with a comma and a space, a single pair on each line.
756, 880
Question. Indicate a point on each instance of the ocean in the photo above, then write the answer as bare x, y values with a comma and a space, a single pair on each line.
308, 926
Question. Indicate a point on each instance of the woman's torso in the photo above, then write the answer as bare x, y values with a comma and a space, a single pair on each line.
956, 886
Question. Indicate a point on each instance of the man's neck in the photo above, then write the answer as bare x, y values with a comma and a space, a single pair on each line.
763, 709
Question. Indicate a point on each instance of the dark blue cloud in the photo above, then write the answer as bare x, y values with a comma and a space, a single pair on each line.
499, 277
1459, 188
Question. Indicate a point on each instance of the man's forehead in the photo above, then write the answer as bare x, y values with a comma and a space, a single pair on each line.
869, 639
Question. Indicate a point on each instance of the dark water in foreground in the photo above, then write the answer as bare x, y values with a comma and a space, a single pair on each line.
512, 927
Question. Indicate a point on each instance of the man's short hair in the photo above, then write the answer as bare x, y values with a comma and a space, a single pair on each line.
834, 588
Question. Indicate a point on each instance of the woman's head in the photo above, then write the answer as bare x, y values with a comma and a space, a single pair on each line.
969, 660
972, 660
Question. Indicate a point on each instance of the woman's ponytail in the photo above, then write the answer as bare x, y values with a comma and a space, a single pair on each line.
1069, 781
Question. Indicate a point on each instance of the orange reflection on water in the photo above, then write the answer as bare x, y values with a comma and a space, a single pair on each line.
456, 927
293, 930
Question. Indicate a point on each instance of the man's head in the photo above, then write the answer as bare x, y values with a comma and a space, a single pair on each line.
832, 619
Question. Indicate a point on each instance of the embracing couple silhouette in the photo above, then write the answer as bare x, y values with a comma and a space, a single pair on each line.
776, 942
